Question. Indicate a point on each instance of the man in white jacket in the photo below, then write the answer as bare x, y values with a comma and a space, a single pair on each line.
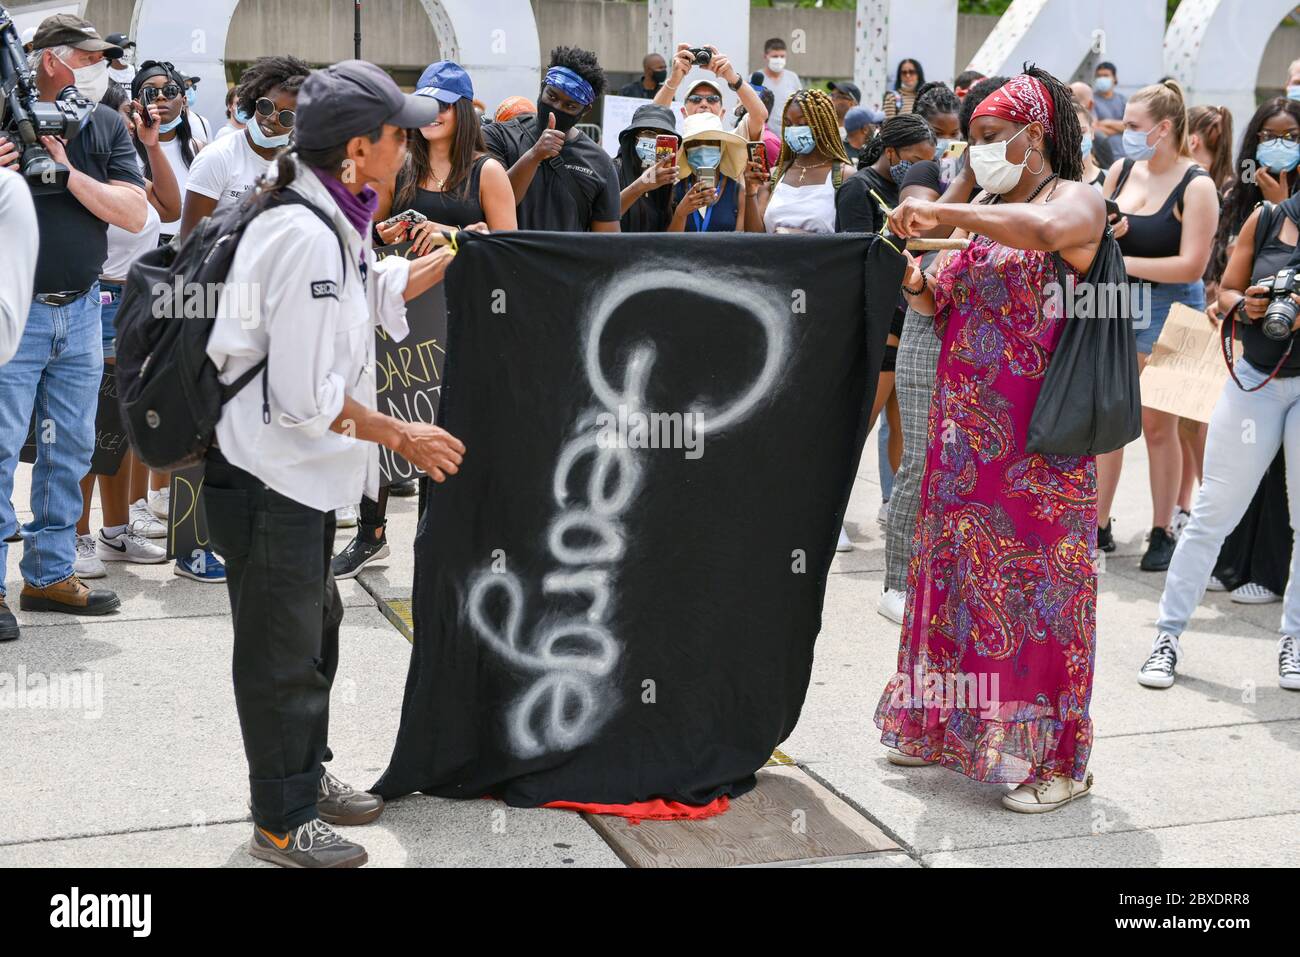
300, 441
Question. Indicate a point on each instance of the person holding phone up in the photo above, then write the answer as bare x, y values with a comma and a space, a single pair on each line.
645, 173
710, 194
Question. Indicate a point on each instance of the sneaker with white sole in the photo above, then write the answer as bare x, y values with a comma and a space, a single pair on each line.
160, 500
1160, 668
88, 563
899, 759
345, 517
890, 604
314, 844
1216, 584
882, 516
1254, 594
1288, 663
1179, 522
845, 543
1039, 797
129, 546
206, 568
144, 522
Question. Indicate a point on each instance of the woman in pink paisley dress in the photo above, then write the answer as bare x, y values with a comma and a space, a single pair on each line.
999, 635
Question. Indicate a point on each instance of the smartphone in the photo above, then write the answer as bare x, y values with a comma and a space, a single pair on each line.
707, 177
1112, 209
411, 217
757, 153
666, 149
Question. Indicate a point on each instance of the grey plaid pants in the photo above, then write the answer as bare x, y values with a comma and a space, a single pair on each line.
918, 357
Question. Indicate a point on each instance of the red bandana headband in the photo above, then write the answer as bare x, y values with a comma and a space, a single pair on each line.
1022, 99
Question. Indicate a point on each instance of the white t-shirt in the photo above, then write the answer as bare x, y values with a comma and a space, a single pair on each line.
18, 264
200, 127
125, 248
788, 82
172, 150
226, 169
123, 76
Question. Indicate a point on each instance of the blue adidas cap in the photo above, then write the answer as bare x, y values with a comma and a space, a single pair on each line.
445, 82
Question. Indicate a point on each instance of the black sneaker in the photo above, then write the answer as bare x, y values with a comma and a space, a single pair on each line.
8, 623
361, 551
1106, 536
1160, 549
337, 803
406, 489
314, 844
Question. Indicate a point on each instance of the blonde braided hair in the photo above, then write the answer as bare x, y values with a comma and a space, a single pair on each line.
821, 117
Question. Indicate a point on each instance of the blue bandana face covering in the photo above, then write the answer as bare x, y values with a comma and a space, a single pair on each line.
1278, 155
698, 156
800, 139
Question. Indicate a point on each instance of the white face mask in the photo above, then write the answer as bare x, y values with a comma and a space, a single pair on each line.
993, 171
90, 81
776, 63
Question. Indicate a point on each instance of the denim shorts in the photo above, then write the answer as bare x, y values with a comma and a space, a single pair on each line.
110, 296
1163, 295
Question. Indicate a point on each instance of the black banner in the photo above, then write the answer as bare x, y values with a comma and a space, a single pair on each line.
408, 377
187, 522
111, 442
617, 597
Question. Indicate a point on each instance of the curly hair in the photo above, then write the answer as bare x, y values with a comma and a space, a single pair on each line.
583, 63
899, 131
819, 112
1064, 145
935, 100
267, 73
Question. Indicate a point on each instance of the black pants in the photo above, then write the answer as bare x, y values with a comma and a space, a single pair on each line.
286, 612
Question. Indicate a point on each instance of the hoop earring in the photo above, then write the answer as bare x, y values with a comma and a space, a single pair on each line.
1042, 161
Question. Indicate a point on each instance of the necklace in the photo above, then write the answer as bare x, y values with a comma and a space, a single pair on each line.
1039, 188
804, 167
438, 181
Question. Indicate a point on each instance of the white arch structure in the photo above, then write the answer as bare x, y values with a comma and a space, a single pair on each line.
1214, 48
495, 40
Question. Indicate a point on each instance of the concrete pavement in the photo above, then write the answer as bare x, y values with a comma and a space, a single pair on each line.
149, 770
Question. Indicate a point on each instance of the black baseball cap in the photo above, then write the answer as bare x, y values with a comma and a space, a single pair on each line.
66, 29
353, 98
120, 39
847, 88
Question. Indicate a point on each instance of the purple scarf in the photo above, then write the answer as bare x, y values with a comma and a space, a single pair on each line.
359, 208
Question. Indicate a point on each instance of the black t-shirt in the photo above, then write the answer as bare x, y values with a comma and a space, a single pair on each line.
856, 209
550, 202
74, 243
925, 173
636, 89
1258, 349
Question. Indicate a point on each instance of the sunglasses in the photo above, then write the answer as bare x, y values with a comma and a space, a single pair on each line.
696, 98
266, 107
1289, 136
151, 93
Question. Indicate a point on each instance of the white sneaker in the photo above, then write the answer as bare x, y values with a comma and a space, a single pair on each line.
897, 757
1253, 594
87, 563
1042, 796
1288, 663
129, 546
845, 543
144, 522
160, 501
1161, 665
882, 516
890, 604
1179, 522
345, 517
1215, 584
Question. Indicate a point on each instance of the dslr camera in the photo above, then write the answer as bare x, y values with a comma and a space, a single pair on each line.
24, 118
1281, 312
701, 56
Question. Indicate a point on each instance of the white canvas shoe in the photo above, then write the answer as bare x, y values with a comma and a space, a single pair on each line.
898, 758
345, 517
1160, 668
160, 501
1215, 584
890, 604
1043, 796
87, 563
1288, 663
144, 522
845, 543
1253, 594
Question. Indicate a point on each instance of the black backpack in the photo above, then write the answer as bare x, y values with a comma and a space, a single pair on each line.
168, 388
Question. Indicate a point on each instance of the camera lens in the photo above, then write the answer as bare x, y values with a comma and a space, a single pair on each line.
702, 56
1278, 319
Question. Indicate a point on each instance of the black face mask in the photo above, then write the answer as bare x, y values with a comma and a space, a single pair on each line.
563, 121
659, 75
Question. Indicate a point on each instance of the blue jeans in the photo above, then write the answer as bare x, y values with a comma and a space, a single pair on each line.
1246, 430
57, 368
1163, 296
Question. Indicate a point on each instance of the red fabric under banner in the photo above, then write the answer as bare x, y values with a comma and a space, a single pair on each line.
656, 810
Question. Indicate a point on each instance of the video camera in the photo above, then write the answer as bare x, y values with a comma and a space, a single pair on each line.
24, 118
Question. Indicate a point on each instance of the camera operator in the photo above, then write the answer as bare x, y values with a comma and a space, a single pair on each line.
705, 96
1258, 299
60, 359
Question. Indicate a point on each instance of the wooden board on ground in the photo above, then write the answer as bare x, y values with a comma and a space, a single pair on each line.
1186, 372
788, 817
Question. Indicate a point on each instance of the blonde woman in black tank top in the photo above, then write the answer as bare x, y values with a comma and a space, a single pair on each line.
1169, 213
449, 177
